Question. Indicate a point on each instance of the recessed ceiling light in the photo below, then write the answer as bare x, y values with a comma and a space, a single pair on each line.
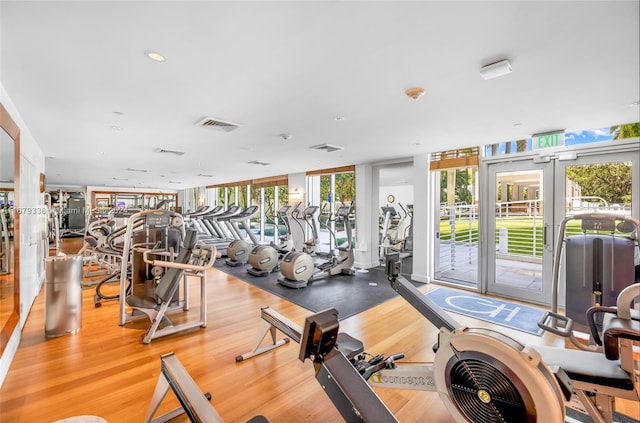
285, 136
338, 118
116, 128
154, 55
131, 169
119, 179
517, 124
118, 113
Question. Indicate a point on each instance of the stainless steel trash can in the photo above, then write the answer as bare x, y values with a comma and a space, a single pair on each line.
63, 295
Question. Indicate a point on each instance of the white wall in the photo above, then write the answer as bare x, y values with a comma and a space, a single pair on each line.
367, 206
422, 235
31, 240
403, 195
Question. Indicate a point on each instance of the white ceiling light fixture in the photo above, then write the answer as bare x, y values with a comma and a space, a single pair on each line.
155, 56
415, 93
496, 69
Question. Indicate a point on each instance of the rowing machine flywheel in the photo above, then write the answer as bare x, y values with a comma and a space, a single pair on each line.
484, 376
483, 393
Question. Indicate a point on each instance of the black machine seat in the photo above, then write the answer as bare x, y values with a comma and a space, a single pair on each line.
587, 367
141, 301
348, 345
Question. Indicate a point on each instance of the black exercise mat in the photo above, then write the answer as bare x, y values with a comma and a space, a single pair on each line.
349, 295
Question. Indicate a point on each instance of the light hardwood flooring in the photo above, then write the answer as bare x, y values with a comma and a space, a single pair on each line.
105, 370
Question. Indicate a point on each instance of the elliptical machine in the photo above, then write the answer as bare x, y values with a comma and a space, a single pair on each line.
298, 268
263, 258
238, 250
285, 242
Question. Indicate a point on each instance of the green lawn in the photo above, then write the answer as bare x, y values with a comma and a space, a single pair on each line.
521, 235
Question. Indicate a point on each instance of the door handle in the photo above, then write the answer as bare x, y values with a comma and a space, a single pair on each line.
544, 235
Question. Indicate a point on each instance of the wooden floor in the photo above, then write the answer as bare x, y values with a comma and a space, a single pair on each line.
105, 370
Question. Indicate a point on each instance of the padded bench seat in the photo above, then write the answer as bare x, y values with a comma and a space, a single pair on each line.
587, 367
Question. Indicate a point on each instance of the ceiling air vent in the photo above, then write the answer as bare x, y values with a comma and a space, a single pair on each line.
327, 147
209, 122
255, 162
164, 150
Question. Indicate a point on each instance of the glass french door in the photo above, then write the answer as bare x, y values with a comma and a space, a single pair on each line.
519, 230
528, 199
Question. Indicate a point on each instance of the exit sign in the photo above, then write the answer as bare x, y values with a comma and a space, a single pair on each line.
550, 139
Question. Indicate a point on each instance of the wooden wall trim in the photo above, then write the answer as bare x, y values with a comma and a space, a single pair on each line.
8, 124
454, 163
269, 181
328, 171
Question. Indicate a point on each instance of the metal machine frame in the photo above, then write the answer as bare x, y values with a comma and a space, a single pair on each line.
562, 324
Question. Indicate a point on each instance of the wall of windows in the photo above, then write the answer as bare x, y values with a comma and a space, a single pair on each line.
330, 189
268, 194
456, 220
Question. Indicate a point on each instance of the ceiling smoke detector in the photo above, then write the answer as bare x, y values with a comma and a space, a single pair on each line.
415, 92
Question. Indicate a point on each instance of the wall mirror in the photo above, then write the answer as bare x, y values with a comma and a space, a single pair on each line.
9, 227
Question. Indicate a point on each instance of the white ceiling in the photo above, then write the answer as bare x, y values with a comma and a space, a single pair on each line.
292, 67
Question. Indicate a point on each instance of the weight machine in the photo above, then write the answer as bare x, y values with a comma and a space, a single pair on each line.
157, 255
598, 263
